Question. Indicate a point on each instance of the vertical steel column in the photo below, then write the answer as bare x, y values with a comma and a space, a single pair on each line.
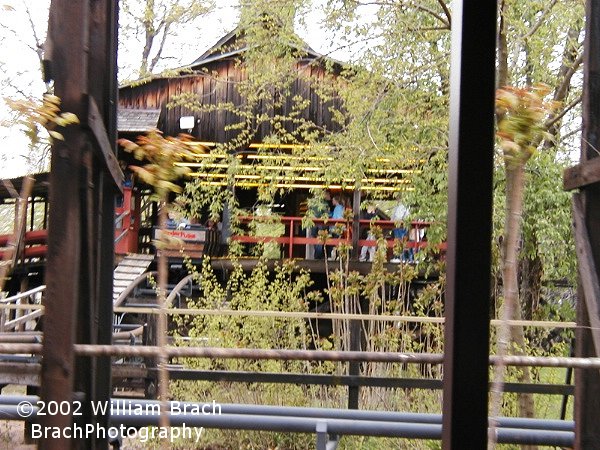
106, 228
354, 366
67, 31
587, 382
467, 305
83, 181
355, 325
104, 308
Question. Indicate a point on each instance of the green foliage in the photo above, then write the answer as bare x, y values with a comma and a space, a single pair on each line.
284, 289
547, 218
290, 289
46, 115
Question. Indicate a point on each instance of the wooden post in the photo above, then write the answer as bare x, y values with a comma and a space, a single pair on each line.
81, 58
69, 66
587, 382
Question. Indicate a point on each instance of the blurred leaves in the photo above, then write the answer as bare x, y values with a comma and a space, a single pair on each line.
522, 114
34, 117
161, 155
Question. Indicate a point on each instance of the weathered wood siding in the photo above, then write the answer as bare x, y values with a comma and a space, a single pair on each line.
220, 85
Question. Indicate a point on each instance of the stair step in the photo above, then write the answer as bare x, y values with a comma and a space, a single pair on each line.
125, 276
128, 263
130, 268
138, 270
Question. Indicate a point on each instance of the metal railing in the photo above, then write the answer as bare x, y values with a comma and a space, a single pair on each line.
327, 424
293, 236
15, 313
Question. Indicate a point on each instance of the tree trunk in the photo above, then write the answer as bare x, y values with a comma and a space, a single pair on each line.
502, 73
530, 274
515, 182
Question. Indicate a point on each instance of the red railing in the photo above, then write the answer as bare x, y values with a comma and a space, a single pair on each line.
127, 223
34, 244
292, 236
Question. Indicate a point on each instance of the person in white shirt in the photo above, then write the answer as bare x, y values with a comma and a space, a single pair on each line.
399, 216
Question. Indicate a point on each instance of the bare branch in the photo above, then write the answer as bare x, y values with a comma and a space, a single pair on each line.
446, 21
158, 55
552, 121
569, 71
430, 11
571, 133
446, 12
540, 21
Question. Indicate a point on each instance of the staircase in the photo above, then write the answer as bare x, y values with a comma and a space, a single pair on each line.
130, 267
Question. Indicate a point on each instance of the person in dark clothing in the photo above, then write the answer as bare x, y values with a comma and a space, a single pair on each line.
318, 208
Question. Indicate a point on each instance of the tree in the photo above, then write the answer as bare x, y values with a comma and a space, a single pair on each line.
155, 24
22, 33
521, 128
537, 42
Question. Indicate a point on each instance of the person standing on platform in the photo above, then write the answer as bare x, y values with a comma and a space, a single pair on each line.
318, 209
399, 216
369, 214
337, 214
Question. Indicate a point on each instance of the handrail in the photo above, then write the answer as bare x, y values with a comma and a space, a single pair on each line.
23, 294
20, 318
122, 235
291, 239
139, 330
178, 288
121, 216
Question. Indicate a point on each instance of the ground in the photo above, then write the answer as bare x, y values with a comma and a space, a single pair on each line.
11, 436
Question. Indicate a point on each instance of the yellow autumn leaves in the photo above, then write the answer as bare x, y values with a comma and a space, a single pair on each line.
522, 113
32, 113
161, 155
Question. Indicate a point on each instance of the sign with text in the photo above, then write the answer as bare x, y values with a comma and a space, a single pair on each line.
185, 235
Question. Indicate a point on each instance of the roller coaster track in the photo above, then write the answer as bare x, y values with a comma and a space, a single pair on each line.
19, 313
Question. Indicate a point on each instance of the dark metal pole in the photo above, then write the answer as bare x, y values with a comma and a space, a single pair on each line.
472, 84
568, 381
103, 41
354, 366
355, 223
587, 383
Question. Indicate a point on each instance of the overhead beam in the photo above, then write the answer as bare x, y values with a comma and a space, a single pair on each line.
582, 175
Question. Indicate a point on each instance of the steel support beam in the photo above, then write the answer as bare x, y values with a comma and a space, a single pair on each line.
68, 36
81, 58
472, 85
587, 383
